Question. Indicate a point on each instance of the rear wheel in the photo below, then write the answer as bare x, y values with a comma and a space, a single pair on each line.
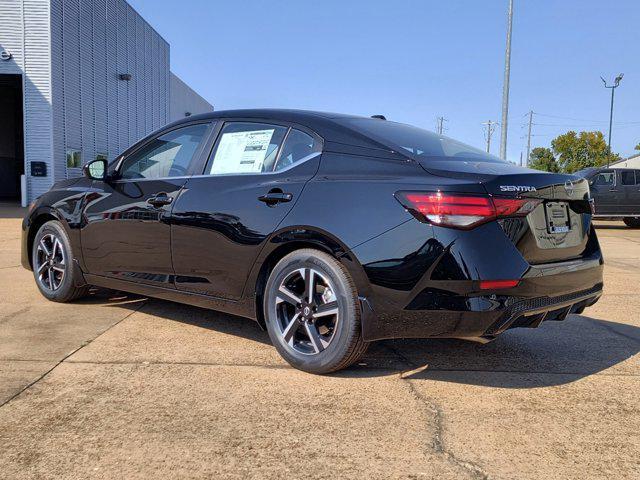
633, 222
52, 264
312, 312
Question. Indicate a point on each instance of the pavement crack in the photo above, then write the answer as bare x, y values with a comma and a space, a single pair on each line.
78, 348
10, 316
438, 445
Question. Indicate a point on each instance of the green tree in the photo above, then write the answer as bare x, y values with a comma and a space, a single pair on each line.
637, 147
542, 159
577, 151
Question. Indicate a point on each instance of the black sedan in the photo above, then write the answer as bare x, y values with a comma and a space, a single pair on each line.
331, 231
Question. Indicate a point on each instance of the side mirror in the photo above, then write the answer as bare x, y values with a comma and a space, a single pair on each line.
96, 170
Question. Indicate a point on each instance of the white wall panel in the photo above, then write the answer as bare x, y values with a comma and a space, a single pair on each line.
38, 128
111, 48
99, 45
70, 53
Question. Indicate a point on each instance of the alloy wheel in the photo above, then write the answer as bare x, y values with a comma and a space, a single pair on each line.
50, 262
307, 310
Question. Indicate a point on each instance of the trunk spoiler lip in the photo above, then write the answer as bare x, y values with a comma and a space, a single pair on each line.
527, 184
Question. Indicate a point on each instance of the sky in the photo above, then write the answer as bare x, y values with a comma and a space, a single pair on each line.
414, 61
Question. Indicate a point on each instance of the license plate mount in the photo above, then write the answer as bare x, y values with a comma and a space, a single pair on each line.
557, 215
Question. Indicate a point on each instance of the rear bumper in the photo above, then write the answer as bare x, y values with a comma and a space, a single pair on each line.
532, 312
411, 296
486, 316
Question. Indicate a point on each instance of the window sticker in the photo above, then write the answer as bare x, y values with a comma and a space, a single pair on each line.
242, 152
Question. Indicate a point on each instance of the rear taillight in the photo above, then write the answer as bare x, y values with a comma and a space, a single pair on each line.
463, 211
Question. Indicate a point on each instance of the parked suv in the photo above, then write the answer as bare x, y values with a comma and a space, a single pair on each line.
615, 193
331, 231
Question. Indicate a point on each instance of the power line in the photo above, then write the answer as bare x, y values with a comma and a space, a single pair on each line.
585, 120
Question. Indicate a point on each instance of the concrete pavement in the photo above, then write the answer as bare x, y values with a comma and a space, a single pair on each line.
117, 386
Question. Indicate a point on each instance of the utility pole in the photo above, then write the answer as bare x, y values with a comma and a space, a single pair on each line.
529, 137
440, 125
616, 83
505, 86
490, 127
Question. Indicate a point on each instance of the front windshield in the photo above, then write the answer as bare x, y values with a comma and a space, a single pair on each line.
420, 144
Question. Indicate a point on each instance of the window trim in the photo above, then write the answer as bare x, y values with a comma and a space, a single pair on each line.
635, 177
288, 125
194, 164
615, 178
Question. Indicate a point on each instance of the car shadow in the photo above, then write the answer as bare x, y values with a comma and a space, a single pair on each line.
555, 353
189, 315
612, 226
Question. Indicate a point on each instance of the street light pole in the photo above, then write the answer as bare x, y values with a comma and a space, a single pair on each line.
505, 86
616, 84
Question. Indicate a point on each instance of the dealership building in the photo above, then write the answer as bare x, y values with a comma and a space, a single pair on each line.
79, 80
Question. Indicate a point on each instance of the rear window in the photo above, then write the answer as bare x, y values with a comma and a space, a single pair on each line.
418, 143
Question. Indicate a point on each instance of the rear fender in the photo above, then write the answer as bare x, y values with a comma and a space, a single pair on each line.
287, 240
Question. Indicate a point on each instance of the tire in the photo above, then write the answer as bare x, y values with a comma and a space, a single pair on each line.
320, 335
52, 260
633, 222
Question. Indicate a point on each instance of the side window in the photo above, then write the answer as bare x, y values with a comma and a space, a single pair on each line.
604, 178
297, 146
245, 147
628, 177
169, 155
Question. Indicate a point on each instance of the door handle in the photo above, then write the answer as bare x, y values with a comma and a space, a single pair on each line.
275, 196
160, 200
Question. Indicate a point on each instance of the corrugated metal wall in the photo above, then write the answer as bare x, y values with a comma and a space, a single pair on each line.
25, 33
94, 111
70, 54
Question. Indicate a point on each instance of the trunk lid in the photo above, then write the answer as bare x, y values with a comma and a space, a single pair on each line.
558, 229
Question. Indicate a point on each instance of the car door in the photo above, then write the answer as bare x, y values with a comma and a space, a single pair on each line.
607, 195
126, 233
629, 182
220, 222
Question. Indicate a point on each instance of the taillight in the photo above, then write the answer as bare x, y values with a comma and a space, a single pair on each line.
463, 211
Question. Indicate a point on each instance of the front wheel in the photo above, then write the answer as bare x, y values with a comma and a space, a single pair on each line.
633, 222
52, 261
312, 312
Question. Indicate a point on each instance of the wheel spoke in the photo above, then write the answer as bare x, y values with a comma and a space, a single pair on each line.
330, 308
42, 268
50, 277
58, 267
286, 295
309, 283
291, 328
314, 336
57, 246
44, 248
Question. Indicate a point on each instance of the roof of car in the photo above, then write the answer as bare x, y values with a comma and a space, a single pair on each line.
275, 114
330, 126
